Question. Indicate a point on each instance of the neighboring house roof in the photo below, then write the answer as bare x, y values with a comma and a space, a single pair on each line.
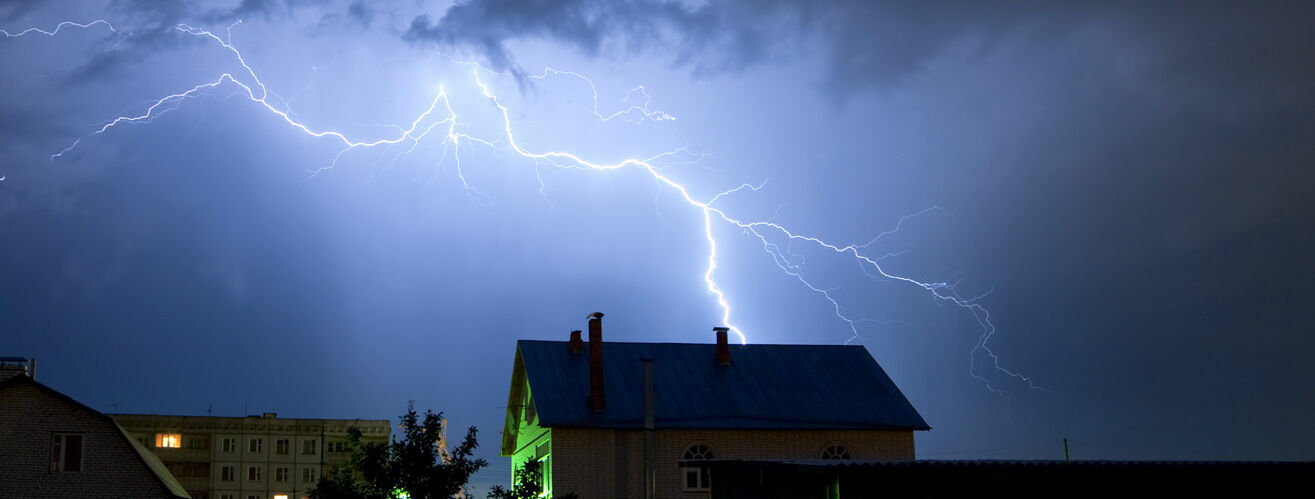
152, 462
765, 387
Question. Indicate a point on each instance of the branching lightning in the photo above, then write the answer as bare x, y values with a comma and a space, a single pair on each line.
439, 115
58, 27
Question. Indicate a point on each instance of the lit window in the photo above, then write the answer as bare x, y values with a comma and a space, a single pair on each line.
256, 445
66, 452
280, 496
696, 477
836, 452
168, 440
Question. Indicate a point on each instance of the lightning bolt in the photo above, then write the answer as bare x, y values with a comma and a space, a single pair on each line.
439, 115
58, 27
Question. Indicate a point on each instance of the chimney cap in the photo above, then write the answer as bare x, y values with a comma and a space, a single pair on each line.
721, 328
596, 315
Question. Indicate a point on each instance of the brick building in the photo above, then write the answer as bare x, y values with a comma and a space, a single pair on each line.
255, 457
620, 419
53, 446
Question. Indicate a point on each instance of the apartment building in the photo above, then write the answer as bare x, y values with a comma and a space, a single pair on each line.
254, 457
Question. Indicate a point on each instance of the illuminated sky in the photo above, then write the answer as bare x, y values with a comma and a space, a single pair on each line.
1125, 189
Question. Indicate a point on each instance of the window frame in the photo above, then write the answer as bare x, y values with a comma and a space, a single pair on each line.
168, 440
255, 445
702, 474
59, 452
836, 451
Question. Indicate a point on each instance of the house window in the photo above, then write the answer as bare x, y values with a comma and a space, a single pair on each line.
169, 440
228, 445
836, 452
253, 473
256, 445
226, 473
280, 496
227, 496
281, 474
695, 478
308, 447
308, 474
281, 446
66, 452
543, 454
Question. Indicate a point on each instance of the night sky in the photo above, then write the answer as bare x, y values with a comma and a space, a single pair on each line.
1126, 188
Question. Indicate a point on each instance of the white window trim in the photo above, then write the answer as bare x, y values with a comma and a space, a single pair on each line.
62, 465
703, 475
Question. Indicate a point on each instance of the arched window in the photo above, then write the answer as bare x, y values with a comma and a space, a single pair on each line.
836, 452
693, 476
697, 452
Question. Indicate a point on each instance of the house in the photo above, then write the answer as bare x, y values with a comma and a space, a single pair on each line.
253, 457
53, 446
645, 419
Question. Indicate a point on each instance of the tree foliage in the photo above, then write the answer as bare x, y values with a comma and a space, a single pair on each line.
410, 467
529, 484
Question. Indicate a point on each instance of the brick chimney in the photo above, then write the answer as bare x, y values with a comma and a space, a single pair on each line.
597, 399
576, 344
723, 349
17, 366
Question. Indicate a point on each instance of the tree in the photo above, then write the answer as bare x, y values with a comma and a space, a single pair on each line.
529, 484
410, 468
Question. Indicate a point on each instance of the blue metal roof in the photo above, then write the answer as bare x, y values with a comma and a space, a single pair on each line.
765, 387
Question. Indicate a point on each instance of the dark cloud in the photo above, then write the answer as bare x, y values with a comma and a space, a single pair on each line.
361, 13
152, 30
870, 45
879, 45
257, 9
742, 34
14, 9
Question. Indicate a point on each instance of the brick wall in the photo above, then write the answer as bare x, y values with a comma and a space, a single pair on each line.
609, 463
30, 416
